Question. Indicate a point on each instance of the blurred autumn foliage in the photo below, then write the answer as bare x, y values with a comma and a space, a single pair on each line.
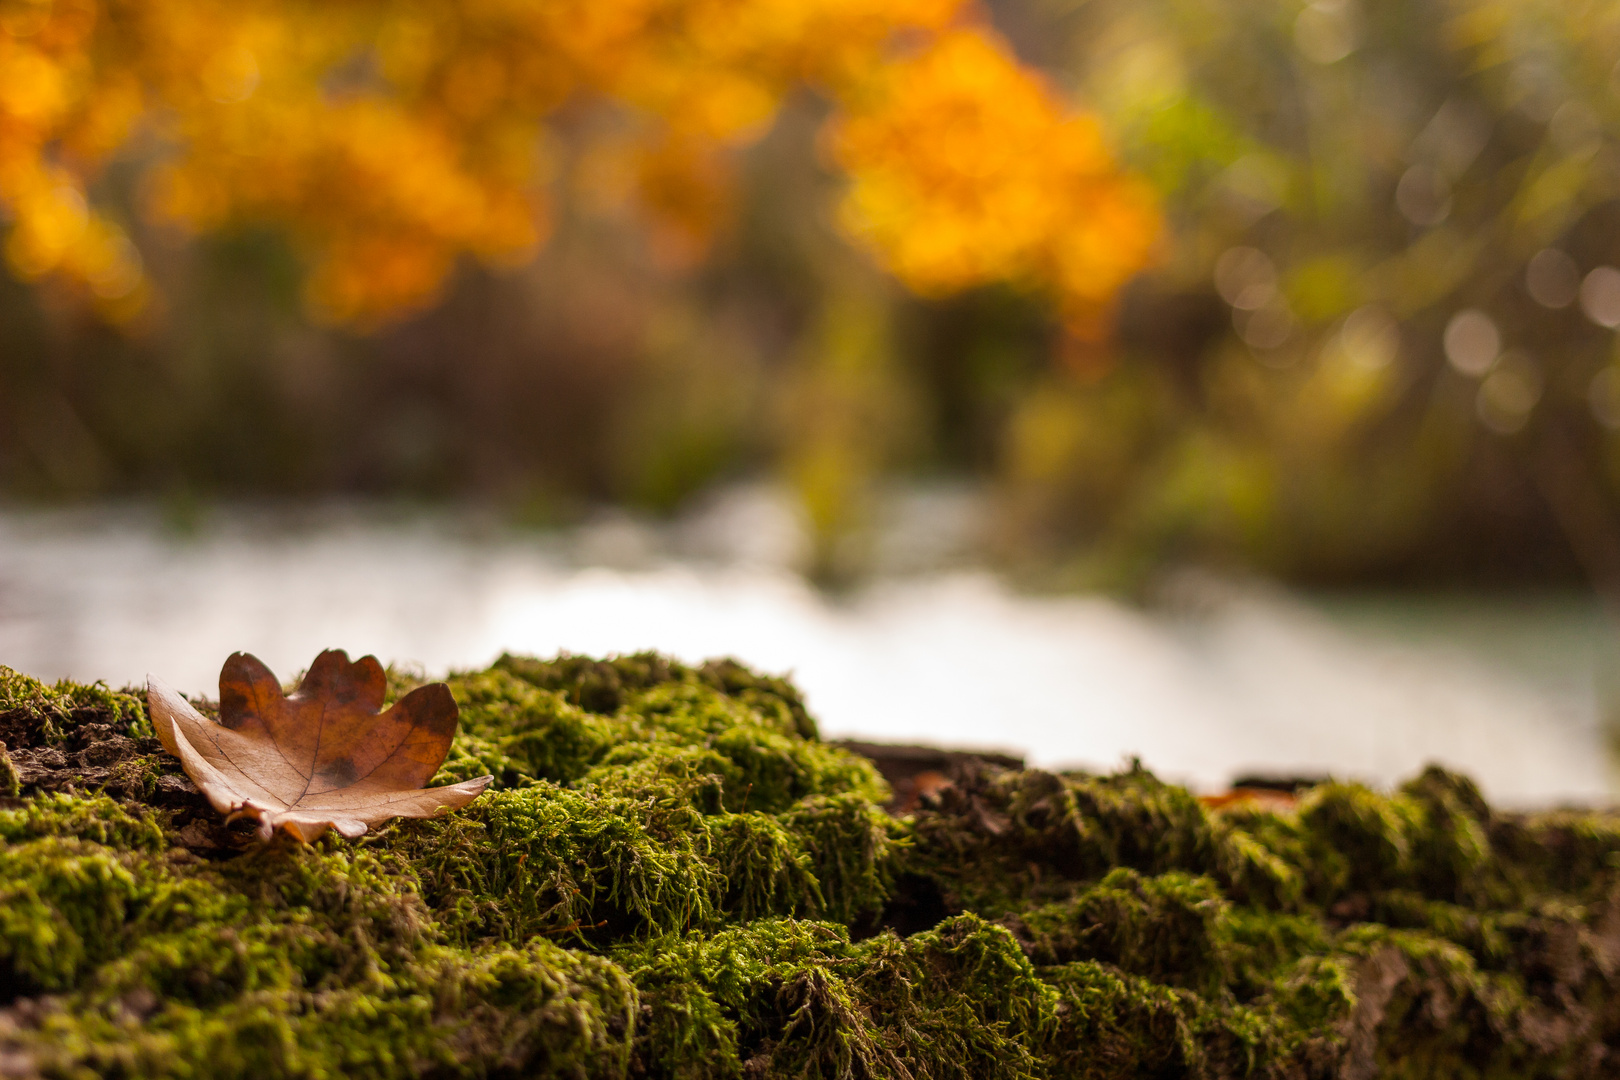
389, 138
1328, 289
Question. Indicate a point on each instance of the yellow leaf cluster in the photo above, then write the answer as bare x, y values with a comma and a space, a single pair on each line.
967, 169
391, 139
59, 111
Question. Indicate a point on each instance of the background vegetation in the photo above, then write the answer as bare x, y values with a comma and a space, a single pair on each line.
1328, 290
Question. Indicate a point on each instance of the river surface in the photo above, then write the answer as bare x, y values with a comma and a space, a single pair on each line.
1221, 679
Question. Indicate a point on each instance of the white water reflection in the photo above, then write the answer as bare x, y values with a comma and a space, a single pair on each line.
1226, 680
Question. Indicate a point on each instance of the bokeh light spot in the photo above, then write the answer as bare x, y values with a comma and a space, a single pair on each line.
1422, 196
1246, 278
1325, 31
1267, 327
1603, 395
1552, 278
1600, 296
1370, 338
1509, 393
1472, 342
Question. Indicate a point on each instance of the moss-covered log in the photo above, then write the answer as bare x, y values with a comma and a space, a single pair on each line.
674, 877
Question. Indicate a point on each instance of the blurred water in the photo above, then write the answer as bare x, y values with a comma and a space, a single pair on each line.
1222, 679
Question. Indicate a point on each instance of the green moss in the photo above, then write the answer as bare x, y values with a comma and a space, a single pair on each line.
98, 818
10, 782
853, 847
31, 710
521, 733
294, 962
635, 720
673, 877
1113, 1025
602, 686
1165, 928
788, 999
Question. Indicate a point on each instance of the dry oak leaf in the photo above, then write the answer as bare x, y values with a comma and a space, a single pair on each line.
321, 756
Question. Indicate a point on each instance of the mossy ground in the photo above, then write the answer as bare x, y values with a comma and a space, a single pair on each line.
673, 877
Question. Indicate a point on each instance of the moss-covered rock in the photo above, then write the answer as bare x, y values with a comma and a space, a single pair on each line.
674, 877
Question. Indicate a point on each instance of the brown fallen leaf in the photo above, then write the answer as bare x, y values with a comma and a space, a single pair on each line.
322, 756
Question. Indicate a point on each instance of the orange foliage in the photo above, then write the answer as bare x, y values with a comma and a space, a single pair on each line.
968, 170
390, 139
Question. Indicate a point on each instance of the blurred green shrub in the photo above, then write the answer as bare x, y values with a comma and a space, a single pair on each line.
1381, 344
